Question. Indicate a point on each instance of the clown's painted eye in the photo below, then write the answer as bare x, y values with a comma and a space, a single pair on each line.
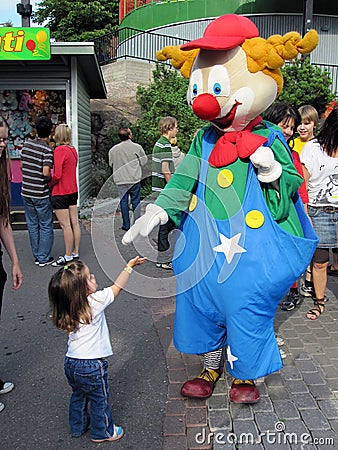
217, 89
195, 85
218, 81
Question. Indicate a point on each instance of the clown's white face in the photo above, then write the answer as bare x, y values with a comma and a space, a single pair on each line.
224, 92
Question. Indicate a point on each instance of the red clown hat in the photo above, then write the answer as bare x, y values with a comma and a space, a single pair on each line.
224, 33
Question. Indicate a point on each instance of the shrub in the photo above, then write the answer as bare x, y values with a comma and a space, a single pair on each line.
306, 84
100, 173
165, 96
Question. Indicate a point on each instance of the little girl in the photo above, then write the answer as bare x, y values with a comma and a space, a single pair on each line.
78, 308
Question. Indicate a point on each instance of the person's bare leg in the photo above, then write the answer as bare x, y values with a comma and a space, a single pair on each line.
64, 220
319, 276
74, 219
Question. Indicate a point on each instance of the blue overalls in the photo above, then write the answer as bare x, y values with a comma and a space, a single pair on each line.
230, 276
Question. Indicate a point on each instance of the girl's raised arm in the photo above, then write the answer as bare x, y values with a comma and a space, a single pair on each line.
122, 279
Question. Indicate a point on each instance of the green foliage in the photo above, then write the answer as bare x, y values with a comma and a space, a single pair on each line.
100, 173
146, 188
165, 96
114, 131
84, 20
306, 84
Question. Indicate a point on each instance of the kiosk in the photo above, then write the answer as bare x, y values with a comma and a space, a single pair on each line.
57, 79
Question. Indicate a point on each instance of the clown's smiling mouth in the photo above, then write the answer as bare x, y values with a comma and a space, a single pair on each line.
226, 121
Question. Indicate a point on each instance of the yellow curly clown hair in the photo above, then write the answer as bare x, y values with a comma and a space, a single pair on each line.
263, 55
181, 60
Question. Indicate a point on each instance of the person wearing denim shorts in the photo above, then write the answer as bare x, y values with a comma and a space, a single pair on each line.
320, 160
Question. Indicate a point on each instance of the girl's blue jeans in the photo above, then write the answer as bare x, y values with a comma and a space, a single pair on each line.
88, 379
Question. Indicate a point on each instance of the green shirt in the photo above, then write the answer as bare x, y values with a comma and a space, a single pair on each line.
161, 153
224, 203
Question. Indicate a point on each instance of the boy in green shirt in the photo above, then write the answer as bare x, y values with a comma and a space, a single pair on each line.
162, 168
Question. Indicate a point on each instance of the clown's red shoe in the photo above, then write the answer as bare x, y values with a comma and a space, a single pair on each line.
202, 386
243, 391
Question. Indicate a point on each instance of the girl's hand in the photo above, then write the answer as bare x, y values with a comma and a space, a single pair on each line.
136, 261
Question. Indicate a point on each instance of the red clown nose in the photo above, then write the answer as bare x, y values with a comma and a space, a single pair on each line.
206, 107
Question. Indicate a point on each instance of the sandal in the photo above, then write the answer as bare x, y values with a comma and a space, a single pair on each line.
316, 311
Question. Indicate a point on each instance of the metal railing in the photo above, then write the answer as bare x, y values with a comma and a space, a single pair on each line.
333, 70
132, 43
142, 45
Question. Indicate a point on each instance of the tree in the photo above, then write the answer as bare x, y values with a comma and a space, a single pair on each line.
84, 20
306, 84
165, 96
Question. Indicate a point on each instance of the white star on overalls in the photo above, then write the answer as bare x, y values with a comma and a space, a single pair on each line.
229, 246
230, 357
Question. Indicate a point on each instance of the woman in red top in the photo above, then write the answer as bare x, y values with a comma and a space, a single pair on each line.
65, 193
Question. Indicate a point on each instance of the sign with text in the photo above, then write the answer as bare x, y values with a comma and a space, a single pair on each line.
24, 44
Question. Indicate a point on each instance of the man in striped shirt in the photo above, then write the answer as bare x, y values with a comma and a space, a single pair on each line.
36, 164
162, 168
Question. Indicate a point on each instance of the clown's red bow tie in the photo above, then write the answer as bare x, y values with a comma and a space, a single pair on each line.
236, 144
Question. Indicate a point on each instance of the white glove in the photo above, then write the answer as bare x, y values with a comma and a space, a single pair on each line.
143, 226
269, 169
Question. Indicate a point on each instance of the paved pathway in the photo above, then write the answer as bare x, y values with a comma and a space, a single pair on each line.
298, 407
300, 403
32, 354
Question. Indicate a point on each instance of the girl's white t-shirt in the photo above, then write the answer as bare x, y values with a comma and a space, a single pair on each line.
323, 170
92, 341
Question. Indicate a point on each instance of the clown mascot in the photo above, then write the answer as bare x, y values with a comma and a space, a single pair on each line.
244, 235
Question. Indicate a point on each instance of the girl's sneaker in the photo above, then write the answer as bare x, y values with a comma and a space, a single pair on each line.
62, 261
2, 406
118, 434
